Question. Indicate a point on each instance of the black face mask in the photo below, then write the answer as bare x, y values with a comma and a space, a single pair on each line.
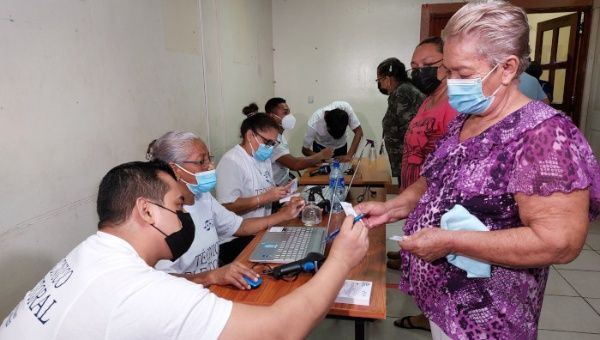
381, 89
180, 241
425, 79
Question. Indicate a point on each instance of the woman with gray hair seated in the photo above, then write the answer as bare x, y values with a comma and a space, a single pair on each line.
509, 190
191, 162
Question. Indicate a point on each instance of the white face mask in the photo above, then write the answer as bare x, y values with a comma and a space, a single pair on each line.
288, 122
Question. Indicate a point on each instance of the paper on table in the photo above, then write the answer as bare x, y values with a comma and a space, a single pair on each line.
355, 292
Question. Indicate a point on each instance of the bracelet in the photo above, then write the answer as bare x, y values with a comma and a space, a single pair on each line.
258, 201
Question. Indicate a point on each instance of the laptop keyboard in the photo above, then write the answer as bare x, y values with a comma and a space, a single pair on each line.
295, 246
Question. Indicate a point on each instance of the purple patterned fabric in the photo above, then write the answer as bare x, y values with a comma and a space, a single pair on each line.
535, 150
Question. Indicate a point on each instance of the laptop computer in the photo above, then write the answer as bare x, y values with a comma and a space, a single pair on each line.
291, 243
288, 244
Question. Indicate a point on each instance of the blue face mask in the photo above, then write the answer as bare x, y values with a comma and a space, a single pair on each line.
205, 181
263, 153
466, 95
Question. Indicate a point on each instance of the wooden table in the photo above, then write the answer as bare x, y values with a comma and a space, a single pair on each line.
374, 173
372, 268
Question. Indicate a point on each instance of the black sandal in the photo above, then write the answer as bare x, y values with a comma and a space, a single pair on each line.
406, 324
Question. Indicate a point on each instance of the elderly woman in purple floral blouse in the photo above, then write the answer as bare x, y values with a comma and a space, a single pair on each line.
519, 166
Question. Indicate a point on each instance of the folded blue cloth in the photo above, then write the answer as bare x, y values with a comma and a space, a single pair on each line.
459, 218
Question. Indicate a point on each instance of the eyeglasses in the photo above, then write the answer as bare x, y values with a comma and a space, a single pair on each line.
206, 161
379, 79
268, 142
424, 66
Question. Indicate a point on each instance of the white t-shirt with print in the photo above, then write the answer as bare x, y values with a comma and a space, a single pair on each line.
213, 224
241, 175
317, 128
281, 174
104, 290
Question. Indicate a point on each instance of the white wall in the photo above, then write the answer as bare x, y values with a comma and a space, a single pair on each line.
85, 86
238, 44
330, 49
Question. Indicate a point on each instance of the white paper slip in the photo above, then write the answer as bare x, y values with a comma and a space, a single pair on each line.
288, 197
396, 238
355, 292
348, 209
294, 186
276, 229
293, 189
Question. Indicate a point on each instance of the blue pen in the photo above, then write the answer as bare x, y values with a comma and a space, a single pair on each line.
331, 236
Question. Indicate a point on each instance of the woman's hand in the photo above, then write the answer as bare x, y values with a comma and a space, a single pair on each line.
276, 193
428, 244
233, 274
292, 208
376, 213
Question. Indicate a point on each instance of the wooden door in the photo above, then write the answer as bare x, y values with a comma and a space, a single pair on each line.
556, 51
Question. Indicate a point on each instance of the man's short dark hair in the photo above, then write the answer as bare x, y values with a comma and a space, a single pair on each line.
124, 184
337, 122
272, 104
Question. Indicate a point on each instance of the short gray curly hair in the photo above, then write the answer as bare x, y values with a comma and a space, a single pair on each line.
502, 30
173, 146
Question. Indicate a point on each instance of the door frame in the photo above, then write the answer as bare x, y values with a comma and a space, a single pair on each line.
432, 11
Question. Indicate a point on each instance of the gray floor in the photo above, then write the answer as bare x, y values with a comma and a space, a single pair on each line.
571, 308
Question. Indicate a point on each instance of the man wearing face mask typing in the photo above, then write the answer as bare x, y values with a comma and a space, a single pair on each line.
282, 160
107, 288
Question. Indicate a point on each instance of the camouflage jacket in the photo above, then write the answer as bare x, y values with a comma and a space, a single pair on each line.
403, 104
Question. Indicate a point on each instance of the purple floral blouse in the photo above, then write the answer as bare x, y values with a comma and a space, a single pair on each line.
535, 150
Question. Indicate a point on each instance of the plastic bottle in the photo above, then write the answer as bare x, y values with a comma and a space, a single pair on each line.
337, 187
311, 215
372, 152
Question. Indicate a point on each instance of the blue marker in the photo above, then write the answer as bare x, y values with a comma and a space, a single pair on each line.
358, 218
331, 236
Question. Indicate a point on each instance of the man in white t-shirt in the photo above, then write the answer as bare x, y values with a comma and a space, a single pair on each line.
282, 161
327, 128
107, 288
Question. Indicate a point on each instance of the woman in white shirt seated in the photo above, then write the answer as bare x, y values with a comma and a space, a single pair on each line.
246, 184
189, 158
327, 128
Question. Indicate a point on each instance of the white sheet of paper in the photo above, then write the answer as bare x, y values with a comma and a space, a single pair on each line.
348, 209
293, 189
288, 197
396, 238
276, 229
294, 186
355, 292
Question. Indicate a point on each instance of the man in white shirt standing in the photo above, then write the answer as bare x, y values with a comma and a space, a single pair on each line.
107, 288
282, 160
327, 128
